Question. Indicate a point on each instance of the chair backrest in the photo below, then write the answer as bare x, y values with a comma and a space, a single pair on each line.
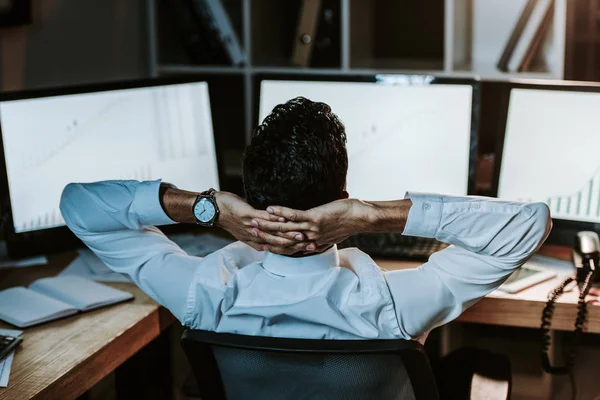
232, 367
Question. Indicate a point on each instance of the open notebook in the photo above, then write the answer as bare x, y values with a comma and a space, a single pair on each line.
48, 299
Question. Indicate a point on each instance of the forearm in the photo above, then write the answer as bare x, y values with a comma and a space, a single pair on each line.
384, 216
109, 206
178, 204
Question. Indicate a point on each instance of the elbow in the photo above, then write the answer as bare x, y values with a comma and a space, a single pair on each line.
70, 201
540, 224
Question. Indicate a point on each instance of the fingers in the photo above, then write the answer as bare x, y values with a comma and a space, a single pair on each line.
288, 213
297, 248
255, 246
312, 249
261, 214
273, 217
296, 236
281, 241
273, 226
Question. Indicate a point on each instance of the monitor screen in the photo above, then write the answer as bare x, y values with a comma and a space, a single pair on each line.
141, 133
550, 152
399, 138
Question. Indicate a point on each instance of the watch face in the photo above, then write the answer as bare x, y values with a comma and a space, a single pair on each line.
204, 210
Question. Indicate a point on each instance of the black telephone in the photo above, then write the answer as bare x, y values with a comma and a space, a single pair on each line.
585, 257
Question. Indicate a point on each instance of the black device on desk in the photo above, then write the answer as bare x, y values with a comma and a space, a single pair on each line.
138, 130
404, 132
585, 258
8, 344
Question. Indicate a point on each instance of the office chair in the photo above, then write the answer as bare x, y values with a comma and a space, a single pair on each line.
232, 367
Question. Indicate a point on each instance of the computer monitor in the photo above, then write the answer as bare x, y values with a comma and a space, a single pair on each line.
550, 153
404, 133
139, 131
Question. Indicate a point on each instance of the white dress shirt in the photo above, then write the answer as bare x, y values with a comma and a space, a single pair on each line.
339, 294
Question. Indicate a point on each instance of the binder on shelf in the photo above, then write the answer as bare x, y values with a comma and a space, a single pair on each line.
326, 50
206, 32
193, 40
221, 25
536, 44
306, 32
526, 39
515, 35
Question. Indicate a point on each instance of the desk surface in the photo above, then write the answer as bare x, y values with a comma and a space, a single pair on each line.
64, 358
523, 309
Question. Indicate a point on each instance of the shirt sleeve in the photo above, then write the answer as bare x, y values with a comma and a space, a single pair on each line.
490, 239
115, 220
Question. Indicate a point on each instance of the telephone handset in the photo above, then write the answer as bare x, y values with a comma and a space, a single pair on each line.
585, 258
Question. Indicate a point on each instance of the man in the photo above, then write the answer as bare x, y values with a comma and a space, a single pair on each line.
286, 277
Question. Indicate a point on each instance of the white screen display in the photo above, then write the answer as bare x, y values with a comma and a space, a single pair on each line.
551, 152
142, 134
400, 138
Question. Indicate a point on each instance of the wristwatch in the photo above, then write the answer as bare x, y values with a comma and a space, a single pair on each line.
205, 208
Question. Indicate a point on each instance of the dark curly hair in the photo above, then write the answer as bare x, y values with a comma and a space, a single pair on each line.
297, 157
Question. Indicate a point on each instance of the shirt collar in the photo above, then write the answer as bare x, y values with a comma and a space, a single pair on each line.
291, 266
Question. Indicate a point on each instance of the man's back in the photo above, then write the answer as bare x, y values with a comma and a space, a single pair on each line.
335, 295
332, 295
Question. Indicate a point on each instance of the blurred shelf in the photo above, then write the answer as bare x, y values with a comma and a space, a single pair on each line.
489, 71
442, 38
414, 65
298, 70
199, 69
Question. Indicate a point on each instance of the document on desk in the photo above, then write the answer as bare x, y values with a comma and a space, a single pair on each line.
6, 364
87, 265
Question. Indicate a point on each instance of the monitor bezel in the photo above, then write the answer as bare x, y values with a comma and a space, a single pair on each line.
57, 239
402, 79
563, 231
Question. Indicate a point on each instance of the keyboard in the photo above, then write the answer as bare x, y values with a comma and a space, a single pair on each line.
395, 246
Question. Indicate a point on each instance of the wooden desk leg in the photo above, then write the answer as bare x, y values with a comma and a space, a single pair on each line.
147, 375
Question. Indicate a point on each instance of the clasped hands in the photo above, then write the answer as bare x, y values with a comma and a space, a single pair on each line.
283, 230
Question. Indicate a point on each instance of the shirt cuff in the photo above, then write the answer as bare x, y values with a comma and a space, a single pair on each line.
425, 214
147, 206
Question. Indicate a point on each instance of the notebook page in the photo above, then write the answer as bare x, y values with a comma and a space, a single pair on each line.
81, 293
23, 307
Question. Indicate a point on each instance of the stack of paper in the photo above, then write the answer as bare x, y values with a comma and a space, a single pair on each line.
6, 364
88, 265
6, 262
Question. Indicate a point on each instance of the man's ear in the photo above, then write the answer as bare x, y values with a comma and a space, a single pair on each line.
345, 195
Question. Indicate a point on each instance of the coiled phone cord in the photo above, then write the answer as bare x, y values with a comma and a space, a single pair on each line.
579, 324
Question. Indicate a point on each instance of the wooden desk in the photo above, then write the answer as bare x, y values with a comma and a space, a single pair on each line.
65, 358
523, 309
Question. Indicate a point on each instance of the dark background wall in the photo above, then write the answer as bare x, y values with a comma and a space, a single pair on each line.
74, 42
